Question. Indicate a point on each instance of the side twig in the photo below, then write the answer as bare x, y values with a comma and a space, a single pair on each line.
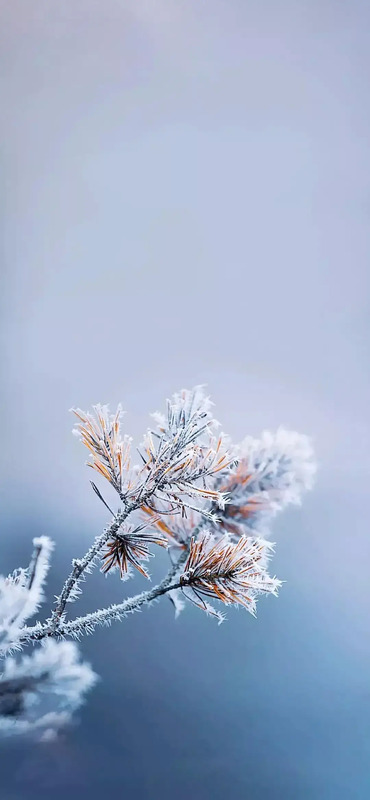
87, 623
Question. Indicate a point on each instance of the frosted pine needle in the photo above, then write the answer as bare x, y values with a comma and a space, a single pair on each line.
188, 413
234, 573
183, 456
272, 472
131, 547
177, 527
109, 452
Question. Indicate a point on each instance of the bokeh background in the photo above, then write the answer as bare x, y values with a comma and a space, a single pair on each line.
185, 199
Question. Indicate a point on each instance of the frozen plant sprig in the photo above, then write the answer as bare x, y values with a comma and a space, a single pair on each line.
22, 592
131, 547
235, 573
110, 454
194, 493
272, 472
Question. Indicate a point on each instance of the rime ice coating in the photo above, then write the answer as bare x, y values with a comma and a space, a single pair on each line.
268, 474
39, 693
130, 547
194, 493
235, 573
283, 464
21, 593
272, 472
110, 454
179, 459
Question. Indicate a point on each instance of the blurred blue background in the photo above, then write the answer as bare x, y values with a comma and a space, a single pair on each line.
186, 199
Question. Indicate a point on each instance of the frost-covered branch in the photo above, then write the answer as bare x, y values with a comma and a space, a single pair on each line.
175, 467
85, 625
192, 492
70, 590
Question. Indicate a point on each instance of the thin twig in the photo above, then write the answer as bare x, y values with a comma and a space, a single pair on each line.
80, 565
33, 565
103, 616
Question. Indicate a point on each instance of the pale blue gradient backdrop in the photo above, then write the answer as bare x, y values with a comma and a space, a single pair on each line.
186, 198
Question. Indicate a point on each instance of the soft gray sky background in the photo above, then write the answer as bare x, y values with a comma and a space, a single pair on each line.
186, 198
